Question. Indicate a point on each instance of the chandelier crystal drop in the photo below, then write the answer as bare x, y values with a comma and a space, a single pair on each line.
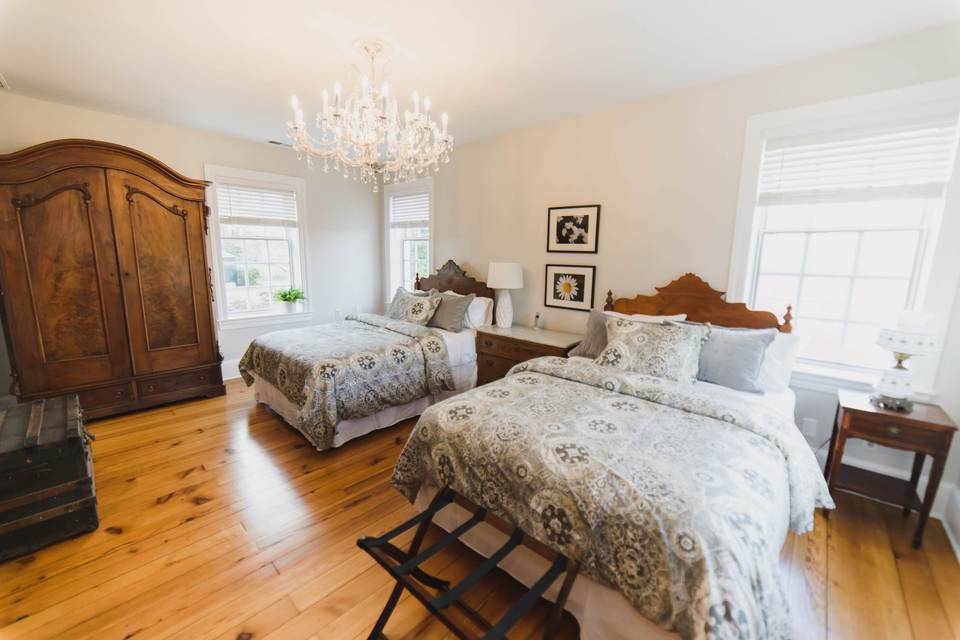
365, 136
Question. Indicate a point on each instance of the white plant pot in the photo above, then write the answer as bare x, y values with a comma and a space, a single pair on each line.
292, 307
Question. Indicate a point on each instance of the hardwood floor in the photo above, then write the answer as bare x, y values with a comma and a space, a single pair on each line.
219, 521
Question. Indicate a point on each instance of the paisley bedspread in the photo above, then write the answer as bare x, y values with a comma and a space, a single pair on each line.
350, 369
679, 501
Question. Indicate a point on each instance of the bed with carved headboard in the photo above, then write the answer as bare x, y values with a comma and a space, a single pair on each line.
675, 497
338, 381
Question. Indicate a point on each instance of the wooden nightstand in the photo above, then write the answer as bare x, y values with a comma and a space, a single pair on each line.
499, 349
927, 430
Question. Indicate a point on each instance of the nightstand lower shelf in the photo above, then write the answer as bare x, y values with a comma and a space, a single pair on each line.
877, 486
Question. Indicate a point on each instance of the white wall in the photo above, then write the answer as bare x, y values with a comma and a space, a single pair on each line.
666, 171
343, 217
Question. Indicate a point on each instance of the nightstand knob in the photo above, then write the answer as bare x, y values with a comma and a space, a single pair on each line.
892, 429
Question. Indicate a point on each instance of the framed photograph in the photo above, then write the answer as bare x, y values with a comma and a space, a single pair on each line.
573, 229
569, 286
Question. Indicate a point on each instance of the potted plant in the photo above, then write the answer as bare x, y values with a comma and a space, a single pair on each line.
291, 299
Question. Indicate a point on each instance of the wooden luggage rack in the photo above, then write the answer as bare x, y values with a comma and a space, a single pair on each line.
446, 604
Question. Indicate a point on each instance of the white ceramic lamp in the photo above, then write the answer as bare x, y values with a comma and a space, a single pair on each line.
503, 276
909, 338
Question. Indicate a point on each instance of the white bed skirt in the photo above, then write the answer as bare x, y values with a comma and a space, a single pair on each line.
464, 377
603, 613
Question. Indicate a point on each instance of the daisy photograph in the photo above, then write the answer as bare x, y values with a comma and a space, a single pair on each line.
569, 286
573, 229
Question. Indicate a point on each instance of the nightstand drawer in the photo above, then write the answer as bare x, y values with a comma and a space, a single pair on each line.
888, 431
514, 349
490, 367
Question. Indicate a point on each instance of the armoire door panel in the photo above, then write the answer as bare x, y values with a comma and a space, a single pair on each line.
60, 266
161, 254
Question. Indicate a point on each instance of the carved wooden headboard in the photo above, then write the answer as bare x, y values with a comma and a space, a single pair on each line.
691, 295
450, 277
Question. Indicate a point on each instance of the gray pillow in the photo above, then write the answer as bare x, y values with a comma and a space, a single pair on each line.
596, 339
451, 312
733, 357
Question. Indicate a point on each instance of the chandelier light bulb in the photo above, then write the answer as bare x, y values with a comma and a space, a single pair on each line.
426, 106
294, 102
416, 102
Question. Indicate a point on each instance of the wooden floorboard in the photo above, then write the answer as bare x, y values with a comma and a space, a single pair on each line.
220, 522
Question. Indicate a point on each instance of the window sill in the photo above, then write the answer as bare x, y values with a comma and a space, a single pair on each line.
272, 319
827, 379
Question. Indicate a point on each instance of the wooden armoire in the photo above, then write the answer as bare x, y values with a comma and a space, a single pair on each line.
104, 278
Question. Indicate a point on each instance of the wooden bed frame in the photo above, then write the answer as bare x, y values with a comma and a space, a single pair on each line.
691, 295
450, 277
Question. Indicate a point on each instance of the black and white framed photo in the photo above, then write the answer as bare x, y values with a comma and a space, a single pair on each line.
573, 229
569, 286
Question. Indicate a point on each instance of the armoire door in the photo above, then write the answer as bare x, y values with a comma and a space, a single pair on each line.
163, 270
62, 297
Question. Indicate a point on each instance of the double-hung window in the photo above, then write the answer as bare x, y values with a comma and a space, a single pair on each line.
409, 210
844, 225
259, 235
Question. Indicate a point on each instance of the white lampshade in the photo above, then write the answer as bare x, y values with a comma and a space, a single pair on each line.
910, 336
505, 275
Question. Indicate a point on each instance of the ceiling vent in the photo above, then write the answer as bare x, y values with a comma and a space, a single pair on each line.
3, 83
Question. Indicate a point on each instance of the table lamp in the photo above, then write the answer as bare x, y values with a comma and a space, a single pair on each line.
909, 338
503, 276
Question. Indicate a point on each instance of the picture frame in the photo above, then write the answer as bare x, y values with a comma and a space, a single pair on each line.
569, 286
573, 229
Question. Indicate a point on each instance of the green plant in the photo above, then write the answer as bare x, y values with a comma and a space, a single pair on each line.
289, 295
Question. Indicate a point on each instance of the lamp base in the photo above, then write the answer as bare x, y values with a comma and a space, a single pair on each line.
891, 404
504, 311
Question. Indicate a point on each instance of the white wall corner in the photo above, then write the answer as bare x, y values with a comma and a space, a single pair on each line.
230, 368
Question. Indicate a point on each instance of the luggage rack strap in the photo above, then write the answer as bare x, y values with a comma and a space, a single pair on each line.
404, 567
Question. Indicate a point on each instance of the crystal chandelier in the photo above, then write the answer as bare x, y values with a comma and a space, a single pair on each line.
365, 136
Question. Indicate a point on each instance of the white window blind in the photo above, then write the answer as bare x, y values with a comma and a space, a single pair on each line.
410, 210
244, 205
902, 160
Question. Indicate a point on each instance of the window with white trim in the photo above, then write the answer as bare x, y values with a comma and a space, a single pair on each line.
258, 222
409, 209
844, 227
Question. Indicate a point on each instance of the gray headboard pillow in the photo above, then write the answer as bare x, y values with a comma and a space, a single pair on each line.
451, 313
733, 357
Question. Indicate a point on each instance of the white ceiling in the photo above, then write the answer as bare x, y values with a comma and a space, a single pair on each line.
494, 65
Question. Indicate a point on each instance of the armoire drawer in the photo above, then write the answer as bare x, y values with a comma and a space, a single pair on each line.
106, 396
179, 381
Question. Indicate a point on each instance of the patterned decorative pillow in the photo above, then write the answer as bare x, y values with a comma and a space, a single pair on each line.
414, 308
670, 351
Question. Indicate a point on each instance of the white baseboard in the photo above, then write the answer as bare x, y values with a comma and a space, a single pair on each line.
230, 369
951, 522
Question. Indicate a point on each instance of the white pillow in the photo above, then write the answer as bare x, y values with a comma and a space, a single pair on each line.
479, 313
778, 363
640, 317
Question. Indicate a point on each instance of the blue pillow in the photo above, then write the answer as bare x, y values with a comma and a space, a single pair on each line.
733, 357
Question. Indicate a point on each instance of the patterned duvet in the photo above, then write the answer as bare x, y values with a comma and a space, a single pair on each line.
349, 369
679, 501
